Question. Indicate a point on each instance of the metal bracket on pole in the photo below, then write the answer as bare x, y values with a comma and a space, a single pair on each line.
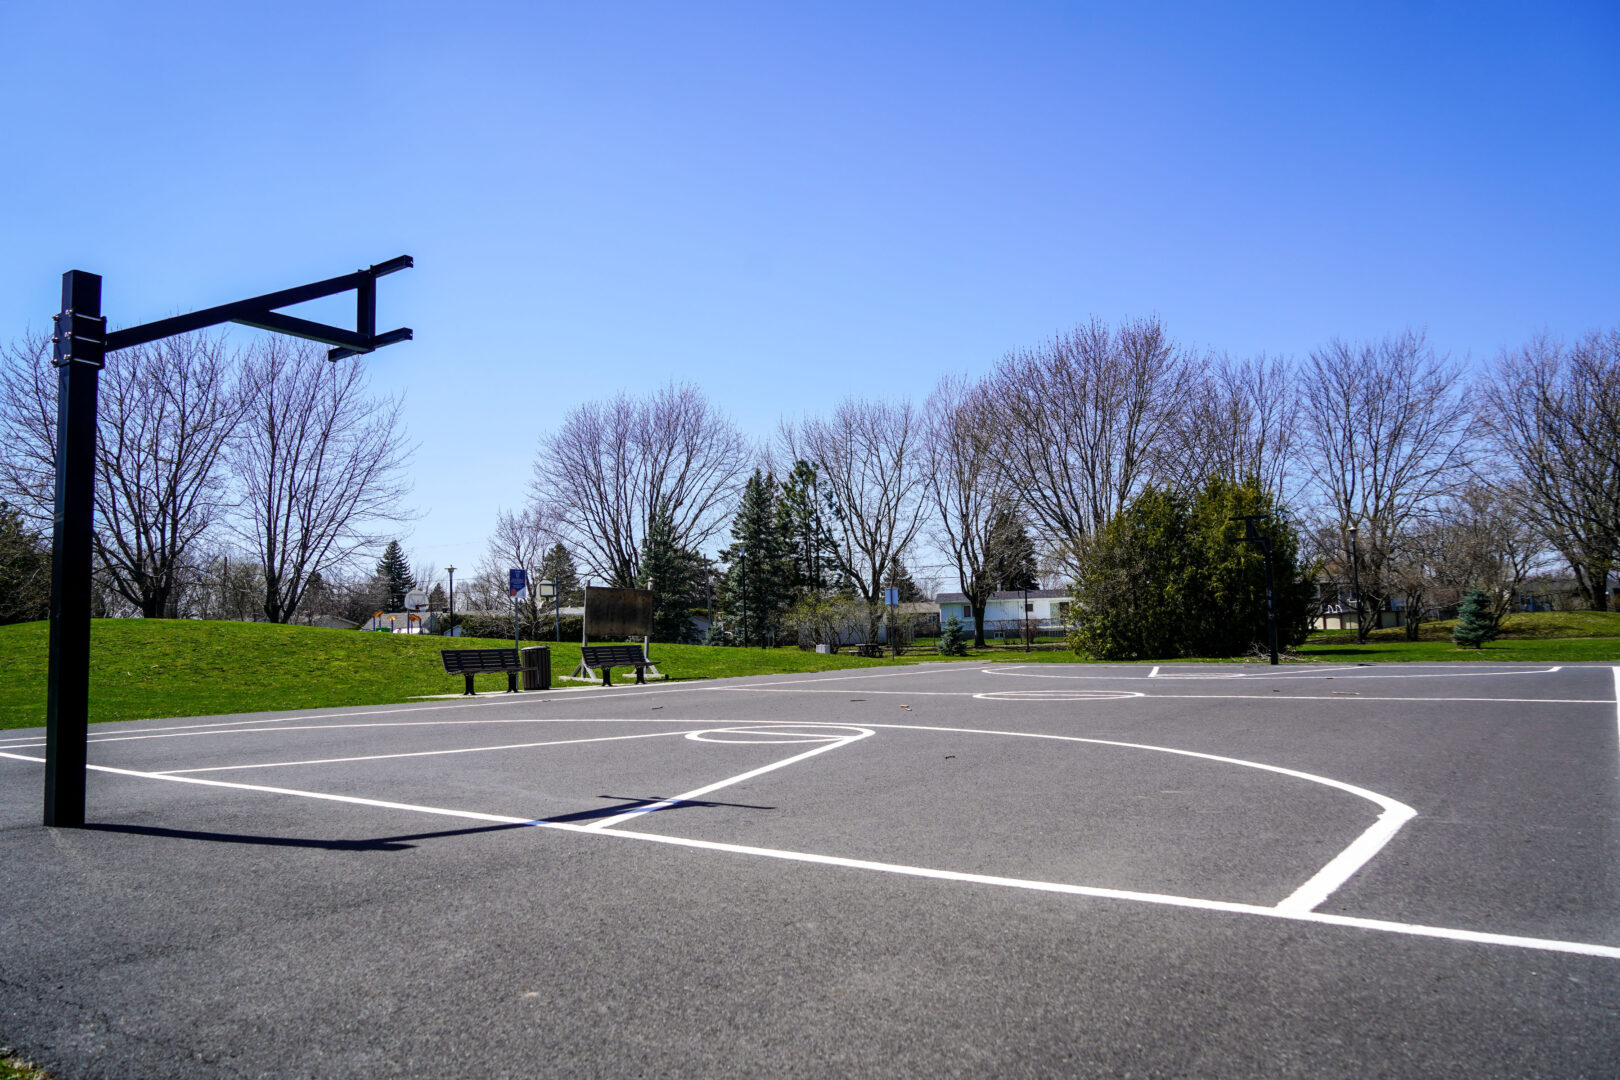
261, 313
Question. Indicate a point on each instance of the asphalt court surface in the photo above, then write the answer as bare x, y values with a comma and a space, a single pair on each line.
1041, 869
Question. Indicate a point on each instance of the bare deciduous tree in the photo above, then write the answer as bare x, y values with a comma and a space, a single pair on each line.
165, 414
613, 465
1081, 419
521, 540
320, 463
1383, 425
869, 458
28, 429
967, 487
1239, 419
1484, 539
1554, 413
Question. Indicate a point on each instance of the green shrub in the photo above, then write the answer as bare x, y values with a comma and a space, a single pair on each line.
951, 641
1172, 576
500, 627
1476, 623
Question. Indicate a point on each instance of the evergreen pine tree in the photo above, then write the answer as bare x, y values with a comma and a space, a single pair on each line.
806, 542
1475, 623
437, 601
395, 569
558, 565
672, 573
25, 570
951, 641
1010, 554
1171, 576
899, 578
757, 587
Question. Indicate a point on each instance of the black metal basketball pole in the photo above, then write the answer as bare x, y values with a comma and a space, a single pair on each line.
1254, 536
81, 347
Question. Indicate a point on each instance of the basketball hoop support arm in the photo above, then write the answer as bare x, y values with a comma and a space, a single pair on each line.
260, 312
81, 346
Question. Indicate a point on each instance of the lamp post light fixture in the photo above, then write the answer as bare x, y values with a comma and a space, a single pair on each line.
1029, 631
449, 618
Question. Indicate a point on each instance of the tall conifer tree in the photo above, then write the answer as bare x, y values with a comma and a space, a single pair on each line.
558, 565
672, 573
759, 579
395, 569
808, 546
1010, 558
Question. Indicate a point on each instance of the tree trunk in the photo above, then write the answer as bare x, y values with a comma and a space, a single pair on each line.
1592, 579
978, 623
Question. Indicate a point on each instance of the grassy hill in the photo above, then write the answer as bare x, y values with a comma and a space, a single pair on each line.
184, 667
1549, 636
165, 667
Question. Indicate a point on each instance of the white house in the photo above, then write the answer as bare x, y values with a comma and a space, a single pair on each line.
1046, 608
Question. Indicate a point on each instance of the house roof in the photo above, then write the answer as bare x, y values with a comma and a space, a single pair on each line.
1010, 594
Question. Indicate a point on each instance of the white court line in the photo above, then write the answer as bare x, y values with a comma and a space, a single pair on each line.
1151, 696
865, 733
1375, 697
910, 669
1578, 948
1293, 674
1393, 814
97, 736
408, 723
1322, 884
423, 753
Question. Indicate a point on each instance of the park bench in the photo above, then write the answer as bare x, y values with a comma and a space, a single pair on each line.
608, 657
470, 662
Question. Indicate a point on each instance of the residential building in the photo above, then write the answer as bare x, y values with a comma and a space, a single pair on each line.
1006, 611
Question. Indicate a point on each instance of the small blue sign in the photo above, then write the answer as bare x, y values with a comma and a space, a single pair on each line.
891, 597
516, 581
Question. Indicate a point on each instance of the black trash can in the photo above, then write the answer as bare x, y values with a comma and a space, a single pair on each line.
537, 668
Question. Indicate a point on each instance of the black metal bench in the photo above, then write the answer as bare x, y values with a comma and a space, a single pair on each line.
470, 662
608, 657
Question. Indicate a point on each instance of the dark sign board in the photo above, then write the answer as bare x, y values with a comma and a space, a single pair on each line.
618, 613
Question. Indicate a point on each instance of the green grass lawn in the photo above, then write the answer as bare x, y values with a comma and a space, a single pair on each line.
159, 668
166, 667
1545, 636
15, 1068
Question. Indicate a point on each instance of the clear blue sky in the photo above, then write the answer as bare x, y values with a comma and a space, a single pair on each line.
786, 203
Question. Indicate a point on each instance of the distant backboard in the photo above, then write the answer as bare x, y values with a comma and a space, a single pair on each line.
618, 613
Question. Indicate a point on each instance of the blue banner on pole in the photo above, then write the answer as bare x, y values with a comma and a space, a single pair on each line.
516, 581
891, 597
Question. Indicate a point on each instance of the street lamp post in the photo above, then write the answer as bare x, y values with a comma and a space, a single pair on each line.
1355, 588
451, 618
1028, 630
742, 553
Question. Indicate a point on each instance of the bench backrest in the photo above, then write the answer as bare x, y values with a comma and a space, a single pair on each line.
597, 655
474, 661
